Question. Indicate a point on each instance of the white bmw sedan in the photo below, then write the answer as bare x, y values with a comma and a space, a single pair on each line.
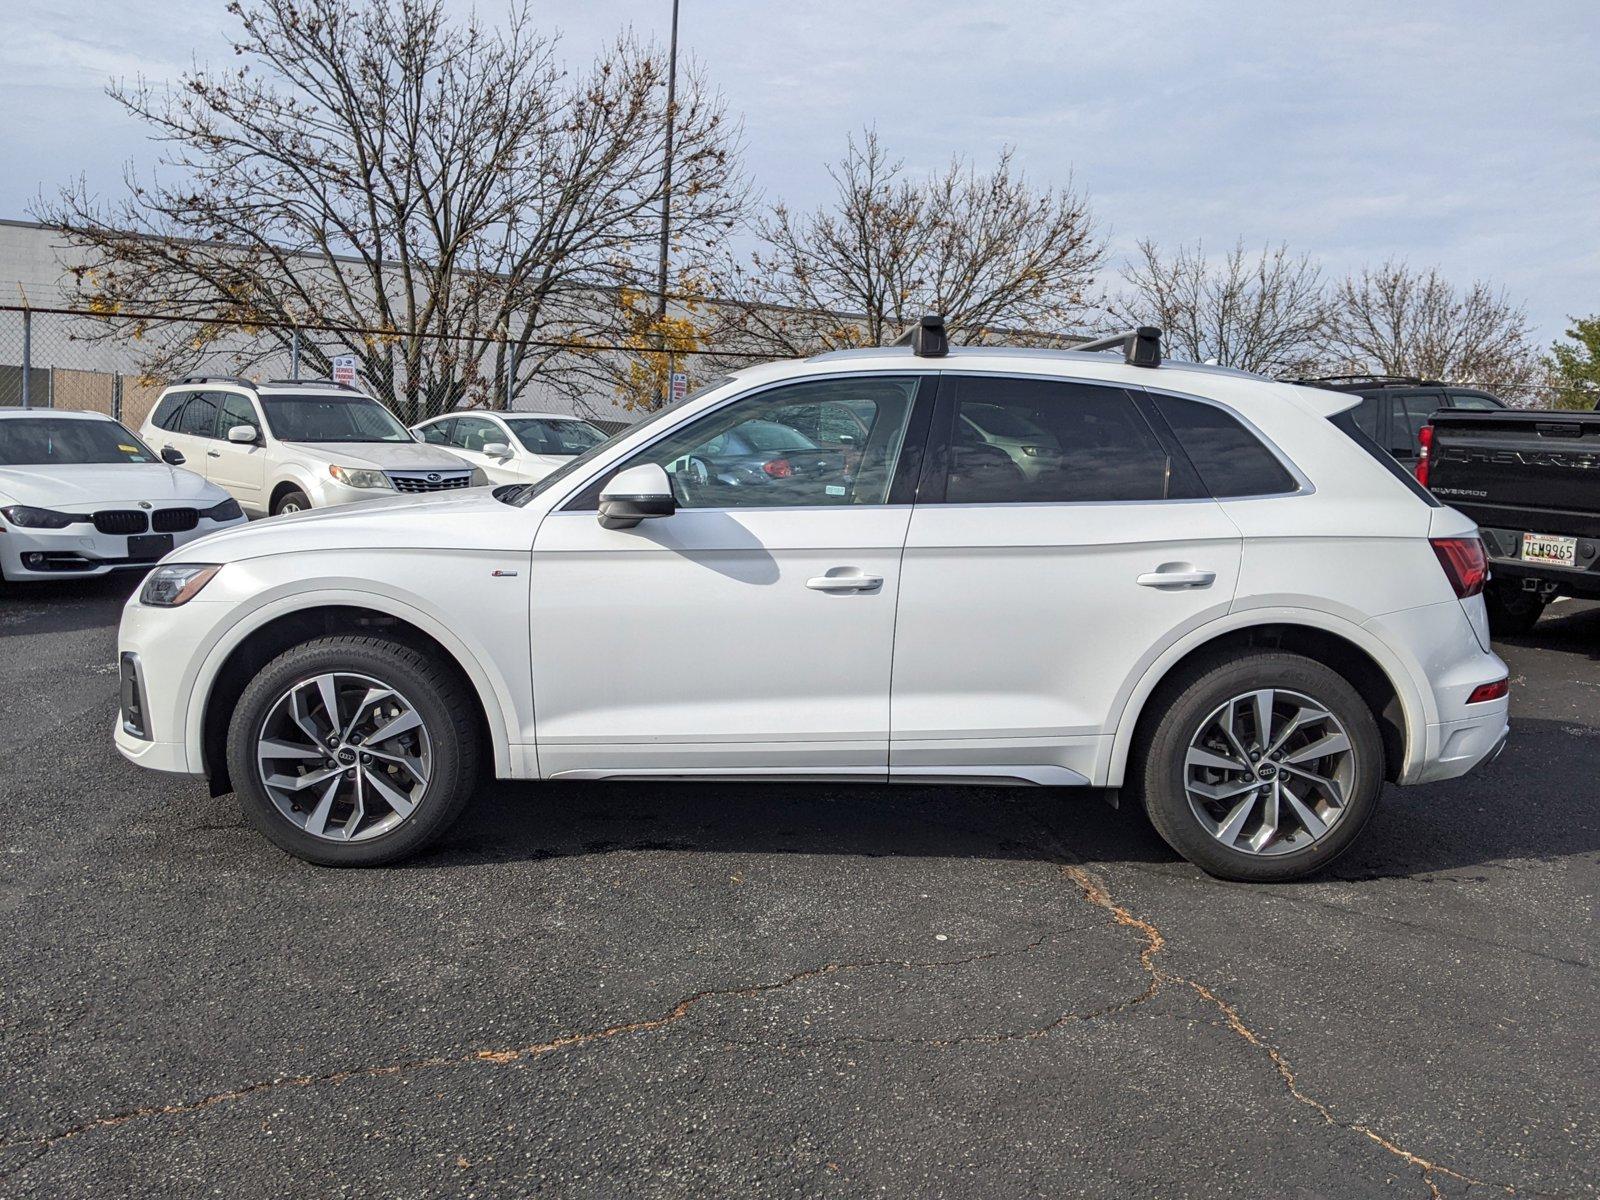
80, 495
1217, 596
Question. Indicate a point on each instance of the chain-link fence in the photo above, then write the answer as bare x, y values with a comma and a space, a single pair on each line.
118, 363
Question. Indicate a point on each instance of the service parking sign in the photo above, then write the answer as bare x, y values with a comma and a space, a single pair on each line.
344, 369
680, 386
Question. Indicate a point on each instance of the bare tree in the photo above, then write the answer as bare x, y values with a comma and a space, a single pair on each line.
1397, 321
1258, 312
988, 250
446, 187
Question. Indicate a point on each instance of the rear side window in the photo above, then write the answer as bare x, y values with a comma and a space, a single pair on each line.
1478, 401
1365, 415
1040, 441
1231, 460
200, 416
1411, 413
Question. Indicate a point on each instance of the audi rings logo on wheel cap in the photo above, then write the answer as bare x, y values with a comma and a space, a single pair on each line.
434, 477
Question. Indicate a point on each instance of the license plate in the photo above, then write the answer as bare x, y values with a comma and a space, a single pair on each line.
147, 547
1548, 548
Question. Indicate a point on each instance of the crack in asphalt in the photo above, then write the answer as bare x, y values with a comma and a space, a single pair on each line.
1097, 894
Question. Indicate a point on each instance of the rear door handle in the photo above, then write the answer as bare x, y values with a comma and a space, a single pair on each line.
851, 581
1164, 578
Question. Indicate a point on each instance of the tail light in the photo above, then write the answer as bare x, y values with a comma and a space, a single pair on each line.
1498, 690
1465, 563
778, 468
1424, 449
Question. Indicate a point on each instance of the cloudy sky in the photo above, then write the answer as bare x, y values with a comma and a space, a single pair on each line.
1457, 133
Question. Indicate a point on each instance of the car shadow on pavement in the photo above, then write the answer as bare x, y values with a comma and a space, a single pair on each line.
1572, 626
67, 606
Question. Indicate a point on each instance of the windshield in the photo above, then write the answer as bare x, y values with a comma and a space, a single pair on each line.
545, 435
59, 441
332, 418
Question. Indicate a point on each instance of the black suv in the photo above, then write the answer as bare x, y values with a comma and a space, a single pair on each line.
1394, 408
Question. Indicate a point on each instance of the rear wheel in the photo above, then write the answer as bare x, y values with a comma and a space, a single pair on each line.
353, 751
1260, 767
291, 502
1511, 609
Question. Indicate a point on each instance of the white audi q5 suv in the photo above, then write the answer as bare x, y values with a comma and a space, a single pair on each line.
1201, 587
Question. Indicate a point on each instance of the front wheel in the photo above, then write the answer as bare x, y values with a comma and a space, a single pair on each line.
291, 502
353, 751
1260, 767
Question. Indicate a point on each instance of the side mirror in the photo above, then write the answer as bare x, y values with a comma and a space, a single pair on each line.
500, 450
243, 435
171, 457
634, 494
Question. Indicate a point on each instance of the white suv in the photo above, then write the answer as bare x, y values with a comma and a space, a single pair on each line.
294, 444
1219, 597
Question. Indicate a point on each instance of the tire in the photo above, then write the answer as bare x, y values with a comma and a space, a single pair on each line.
292, 501
409, 793
1511, 610
1171, 771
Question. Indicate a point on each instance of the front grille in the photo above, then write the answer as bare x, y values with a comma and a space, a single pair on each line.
429, 481
120, 520
174, 520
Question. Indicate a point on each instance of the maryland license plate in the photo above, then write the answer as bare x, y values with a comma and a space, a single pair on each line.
1548, 548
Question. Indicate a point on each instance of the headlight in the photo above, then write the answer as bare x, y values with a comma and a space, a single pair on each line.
360, 477
179, 583
25, 517
480, 477
228, 510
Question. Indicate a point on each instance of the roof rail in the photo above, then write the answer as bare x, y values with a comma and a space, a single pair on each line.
333, 383
1140, 347
1375, 379
234, 379
926, 338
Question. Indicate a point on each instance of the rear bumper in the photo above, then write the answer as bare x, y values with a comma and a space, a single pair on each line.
1457, 747
1505, 561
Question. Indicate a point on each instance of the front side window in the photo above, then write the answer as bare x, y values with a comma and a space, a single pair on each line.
546, 435
200, 416
1045, 441
236, 410
755, 453
1231, 460
474, 433
316, 417
58, 442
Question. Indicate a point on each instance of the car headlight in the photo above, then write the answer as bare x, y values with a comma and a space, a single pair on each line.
227, 510
24, 516
175, 584
360, 477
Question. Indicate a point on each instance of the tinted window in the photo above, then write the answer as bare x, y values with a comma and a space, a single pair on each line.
1021, 441
437, 433
166, 414
748, 454
60, 441
543, 435
1231, 460
1365, 415
1474, 400
1411, 413
200, 416
236, 410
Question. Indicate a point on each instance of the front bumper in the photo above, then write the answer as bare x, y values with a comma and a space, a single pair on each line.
80, 551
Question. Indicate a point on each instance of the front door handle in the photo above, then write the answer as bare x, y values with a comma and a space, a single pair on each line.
213, 453
849, 580
1177, 575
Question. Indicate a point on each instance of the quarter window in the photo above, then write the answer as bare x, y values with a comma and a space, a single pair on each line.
757, 453
200, 416
1041, 441
1231, 460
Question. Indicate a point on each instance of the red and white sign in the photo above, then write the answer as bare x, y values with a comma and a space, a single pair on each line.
680, 386
344, 369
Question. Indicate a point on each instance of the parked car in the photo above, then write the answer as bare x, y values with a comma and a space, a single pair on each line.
293, 444
1531, 480
82, 496
1394, 409
511, 447
1222, 599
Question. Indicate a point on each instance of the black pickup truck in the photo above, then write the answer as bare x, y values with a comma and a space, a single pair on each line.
1531, 480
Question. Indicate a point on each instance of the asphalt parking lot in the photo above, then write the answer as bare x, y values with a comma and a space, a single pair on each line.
673, 990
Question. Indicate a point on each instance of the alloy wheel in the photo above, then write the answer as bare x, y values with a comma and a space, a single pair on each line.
344, 757
1269, 772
